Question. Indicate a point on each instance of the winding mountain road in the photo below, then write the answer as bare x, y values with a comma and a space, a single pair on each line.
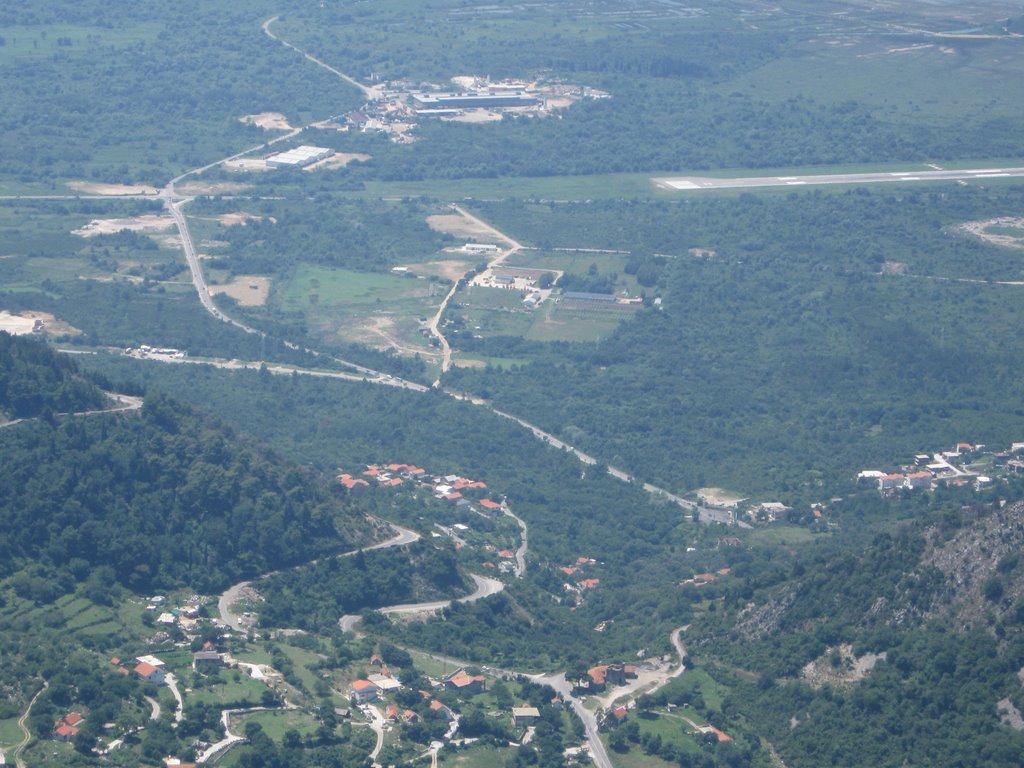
233, 594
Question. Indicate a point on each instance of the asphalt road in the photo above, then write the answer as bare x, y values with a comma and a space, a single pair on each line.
684, 183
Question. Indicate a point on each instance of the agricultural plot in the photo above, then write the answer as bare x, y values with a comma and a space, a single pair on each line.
380, 310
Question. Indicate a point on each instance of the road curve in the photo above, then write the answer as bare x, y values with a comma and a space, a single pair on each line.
233, 594
485, 587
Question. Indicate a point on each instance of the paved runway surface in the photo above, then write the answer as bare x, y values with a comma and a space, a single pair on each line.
703, 182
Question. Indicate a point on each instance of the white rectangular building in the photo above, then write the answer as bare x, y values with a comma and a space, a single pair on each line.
299, 157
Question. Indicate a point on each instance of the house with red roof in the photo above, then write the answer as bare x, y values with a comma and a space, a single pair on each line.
74, 719
391, 713
150, 673
363, 692
440, 708
588, 583
490, 506
464, 683
64, 732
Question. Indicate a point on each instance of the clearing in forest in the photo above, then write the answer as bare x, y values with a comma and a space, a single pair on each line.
247, 290
1007, 231
147, 224
268, 121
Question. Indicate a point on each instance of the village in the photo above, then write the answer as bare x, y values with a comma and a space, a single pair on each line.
961, 466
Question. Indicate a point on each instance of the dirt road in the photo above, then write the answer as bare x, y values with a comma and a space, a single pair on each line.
435, 322
24, 728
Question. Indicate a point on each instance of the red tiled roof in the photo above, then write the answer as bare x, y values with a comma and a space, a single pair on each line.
362, 685
437, 706
73, 718
453, 496
461, 679
568, 570
145, 669
505, 553
620, 713
488, 504
66, 730
588, 583
115, 660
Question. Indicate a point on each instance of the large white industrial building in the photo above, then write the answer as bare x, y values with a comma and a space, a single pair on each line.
299, 157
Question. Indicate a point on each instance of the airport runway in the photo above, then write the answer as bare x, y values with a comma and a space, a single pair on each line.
682, 183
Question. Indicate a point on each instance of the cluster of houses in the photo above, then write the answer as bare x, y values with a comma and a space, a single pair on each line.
577, 570
447, 487
68, 726
954, 467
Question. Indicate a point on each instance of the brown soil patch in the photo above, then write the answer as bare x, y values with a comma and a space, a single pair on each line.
894, 268
246, 164
458, 226
339, 160
22, 323
268, 121
112, 189
247, 290
209, 188
146, 224
449, 269
978, 229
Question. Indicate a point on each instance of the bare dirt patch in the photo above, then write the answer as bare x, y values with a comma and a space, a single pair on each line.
238, 218
268, 121
703, 253
839, 665
147, 224
210, 187
92, 188
339, 160
718, 497
247, 290
246, 164
474, 116
449, 269
459, 226
22, 323
980, 229
894, 268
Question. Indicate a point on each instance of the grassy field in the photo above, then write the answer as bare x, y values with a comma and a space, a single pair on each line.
368, 307
10, 733
244, 690
479, 757
781, 535
275, 724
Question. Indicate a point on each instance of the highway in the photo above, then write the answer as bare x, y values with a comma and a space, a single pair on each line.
688, 183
